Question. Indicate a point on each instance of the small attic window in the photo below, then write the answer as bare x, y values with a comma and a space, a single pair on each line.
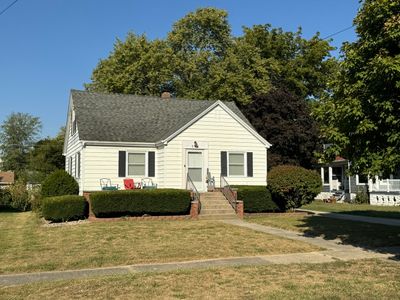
73, 127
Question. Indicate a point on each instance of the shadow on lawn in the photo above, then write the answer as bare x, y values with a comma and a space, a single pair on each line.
372, 213
365, 235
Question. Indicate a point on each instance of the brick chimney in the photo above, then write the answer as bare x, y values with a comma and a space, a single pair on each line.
166, 95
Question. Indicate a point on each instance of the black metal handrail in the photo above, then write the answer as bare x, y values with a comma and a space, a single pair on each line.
210, 181
228, 192
190, 186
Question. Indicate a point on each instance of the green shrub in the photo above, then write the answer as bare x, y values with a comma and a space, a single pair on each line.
35, 196
256, 198
293, 186
5, 198
59, 183
361, 197
140, 202
64, 208
19, 196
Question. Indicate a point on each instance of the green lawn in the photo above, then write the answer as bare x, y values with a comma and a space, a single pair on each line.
27, 246
349, 232
367, 279
392, 212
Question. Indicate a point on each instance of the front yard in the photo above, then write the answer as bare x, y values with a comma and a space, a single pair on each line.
356, 209
27, 246
365, 279
349, 232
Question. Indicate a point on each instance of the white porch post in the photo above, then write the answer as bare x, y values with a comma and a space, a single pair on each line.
330, 178
322, 175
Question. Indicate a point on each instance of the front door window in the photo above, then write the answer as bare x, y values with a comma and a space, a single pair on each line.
195, 168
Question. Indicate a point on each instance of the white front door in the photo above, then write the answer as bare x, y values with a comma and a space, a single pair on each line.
195, 169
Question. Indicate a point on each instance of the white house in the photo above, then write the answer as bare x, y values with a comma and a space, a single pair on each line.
336, 182
128, 136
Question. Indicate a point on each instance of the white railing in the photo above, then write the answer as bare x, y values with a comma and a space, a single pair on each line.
386, 185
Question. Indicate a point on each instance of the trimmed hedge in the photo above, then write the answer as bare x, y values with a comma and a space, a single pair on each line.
64, 208
256, 198
293, 186
59, 183
140, 202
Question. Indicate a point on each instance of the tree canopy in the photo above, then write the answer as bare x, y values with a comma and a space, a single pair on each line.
284, 120
18, 133
360, 118
201, 59
46, 156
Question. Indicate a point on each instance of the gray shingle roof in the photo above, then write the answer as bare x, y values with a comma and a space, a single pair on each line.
131, 118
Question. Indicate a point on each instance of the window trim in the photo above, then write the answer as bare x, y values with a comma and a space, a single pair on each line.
324, 179
70, 165
146, 163
244, 164
358, 180
77, 165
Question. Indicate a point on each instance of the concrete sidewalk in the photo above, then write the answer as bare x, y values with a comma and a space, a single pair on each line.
348, 217
298, 258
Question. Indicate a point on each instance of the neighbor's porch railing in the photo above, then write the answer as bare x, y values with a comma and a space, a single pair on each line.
228, 192
210, 181
196, 195
386, 185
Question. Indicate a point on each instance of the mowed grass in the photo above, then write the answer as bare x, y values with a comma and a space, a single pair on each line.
349, 232
392, 212
364, 279
27, 246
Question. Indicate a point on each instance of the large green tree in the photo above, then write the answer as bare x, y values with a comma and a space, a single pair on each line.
361, 116
200, 59
135, 66
302, 66
18, 133
284, 120
46, 156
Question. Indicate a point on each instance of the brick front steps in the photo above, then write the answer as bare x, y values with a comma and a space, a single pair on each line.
214, 206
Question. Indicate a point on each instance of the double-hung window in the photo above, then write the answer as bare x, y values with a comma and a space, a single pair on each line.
78, 165
137, 164
236, 164
326, 175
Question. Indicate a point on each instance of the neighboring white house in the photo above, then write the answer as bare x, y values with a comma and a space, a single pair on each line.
336, 182
127, 136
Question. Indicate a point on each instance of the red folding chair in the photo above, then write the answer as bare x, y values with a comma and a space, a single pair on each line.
129, 184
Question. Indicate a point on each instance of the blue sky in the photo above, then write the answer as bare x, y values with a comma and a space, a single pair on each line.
48, 47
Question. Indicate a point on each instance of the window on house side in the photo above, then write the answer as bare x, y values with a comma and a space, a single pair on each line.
78, 165
136, 164
70, 165
236, 164
326, 175
362, 179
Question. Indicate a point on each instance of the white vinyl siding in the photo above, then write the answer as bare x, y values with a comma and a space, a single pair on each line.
102, 162
73, 147
221, 133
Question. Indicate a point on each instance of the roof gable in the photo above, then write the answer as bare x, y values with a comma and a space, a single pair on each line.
131, 118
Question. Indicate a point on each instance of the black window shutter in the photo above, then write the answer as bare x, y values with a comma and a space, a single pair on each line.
224, 169
152, 164
121, 163
249, 164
